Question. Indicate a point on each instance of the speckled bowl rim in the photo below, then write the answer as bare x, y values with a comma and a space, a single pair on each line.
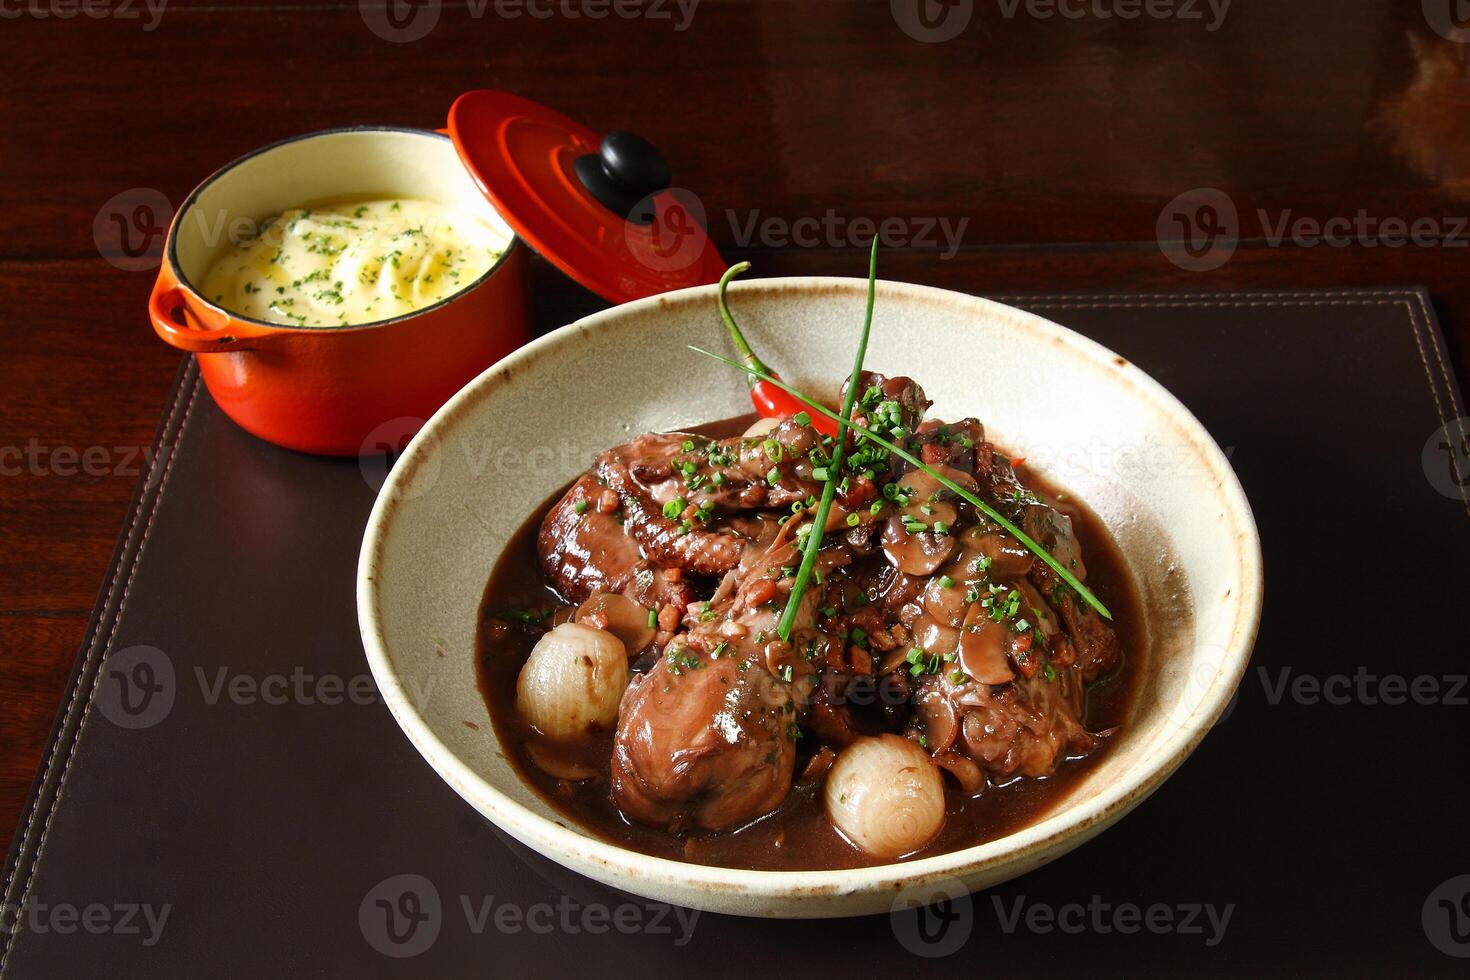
1029, 846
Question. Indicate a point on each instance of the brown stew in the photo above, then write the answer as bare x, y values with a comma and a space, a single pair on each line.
857, 688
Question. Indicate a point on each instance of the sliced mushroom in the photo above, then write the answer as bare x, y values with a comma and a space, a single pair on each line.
963, 769
928, 500
936, 719
929, 634
893, 660
620, 616
983, 648
945, 598
1009, 558
915, 553
816, 766
920, 487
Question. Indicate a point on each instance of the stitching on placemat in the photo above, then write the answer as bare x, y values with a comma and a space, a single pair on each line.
1232, 304
142, 505
1449, 390
1217, 294
1382, 297
116, 622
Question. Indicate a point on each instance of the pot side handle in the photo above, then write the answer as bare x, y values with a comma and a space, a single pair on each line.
202, 331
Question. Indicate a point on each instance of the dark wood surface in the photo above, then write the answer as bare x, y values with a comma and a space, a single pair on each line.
1058, 142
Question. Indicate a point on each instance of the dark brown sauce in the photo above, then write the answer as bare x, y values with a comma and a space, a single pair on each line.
796, 836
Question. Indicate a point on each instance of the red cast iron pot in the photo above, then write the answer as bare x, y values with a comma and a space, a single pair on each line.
339, 391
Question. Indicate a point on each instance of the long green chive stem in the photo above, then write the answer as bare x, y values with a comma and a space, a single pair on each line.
829, 489
904, 454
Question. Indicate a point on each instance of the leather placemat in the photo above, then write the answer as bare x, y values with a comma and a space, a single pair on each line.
224, 795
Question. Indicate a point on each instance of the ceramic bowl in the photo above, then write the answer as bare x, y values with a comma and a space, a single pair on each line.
1081, 416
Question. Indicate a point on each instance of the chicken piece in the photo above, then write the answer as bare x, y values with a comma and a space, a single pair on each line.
1096, 644
699, 480
584, 550
708, 737
704, 742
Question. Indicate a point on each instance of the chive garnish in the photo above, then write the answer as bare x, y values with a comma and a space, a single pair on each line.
864, 434
813, 542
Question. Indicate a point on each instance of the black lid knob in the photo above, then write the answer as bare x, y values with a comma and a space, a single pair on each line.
625, 172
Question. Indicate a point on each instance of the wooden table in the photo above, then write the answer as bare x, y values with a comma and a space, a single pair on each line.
1050, 147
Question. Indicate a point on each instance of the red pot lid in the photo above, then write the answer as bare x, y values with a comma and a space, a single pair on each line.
600, 209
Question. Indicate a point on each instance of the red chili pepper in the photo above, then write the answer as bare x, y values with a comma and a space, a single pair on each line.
770, 401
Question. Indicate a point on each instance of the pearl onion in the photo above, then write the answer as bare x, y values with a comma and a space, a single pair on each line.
885, 795
573, 681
